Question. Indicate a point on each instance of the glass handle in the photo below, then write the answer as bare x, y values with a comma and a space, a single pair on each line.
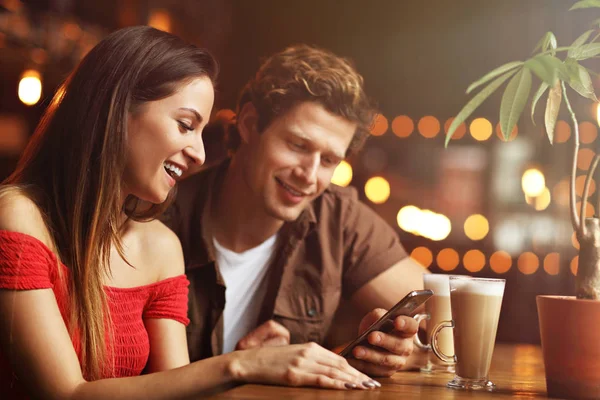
416, 340
434, 342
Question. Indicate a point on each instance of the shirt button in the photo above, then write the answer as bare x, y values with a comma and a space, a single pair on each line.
312, 312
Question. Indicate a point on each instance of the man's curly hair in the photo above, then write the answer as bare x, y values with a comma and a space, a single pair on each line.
305, 73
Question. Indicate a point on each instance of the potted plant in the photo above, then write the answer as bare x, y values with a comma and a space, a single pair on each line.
567, 324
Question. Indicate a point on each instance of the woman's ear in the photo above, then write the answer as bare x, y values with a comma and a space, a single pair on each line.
246, 122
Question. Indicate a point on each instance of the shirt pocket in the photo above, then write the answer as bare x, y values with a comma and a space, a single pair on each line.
307, 313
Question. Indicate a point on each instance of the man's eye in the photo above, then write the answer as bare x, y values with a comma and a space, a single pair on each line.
185, 126
298, 146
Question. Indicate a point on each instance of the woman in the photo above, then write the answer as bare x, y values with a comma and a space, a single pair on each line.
92, 287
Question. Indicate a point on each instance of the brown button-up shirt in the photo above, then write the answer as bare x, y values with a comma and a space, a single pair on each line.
336, 246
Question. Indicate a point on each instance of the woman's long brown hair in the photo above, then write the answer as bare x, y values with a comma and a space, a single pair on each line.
74, 163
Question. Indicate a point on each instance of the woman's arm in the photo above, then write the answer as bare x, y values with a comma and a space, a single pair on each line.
34, 336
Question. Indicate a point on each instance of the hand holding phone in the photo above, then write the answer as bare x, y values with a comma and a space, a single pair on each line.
406, 306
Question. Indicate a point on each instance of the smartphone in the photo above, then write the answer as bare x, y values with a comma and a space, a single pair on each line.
385, 324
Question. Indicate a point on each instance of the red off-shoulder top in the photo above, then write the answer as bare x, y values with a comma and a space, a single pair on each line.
27, 264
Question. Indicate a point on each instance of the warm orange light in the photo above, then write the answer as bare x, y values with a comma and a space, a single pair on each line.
580, 183
500, 262
403, 126
380, 125
429, 126
481, 129
589, 209
474, 260
528, 263
543, 200
160, 19
377, 189
447, 259
562, 132
552, 263
584, 158
560, 192
476, 227
422, 255
587, 132
533, 182
459, 132
342, 176
512, 136
574, 265
30, 87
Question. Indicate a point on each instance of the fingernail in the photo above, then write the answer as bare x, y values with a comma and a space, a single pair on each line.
377, 338
360, 353
350, 386
376, 383
402, 323
369, 384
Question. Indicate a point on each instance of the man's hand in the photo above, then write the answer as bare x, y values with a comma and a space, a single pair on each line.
270, 333
392, 349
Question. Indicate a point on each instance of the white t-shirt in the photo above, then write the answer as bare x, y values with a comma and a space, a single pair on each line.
244, 275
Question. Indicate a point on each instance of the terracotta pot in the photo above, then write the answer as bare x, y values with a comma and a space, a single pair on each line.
571, 346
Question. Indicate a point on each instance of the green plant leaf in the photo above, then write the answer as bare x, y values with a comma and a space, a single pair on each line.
543, 87
552, 109
475, 102
574, 51
588, 51
513, 101
492, 74
585, 4
548, 41
548, 68
579, 79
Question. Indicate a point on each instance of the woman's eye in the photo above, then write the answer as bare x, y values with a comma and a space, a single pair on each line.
185, 126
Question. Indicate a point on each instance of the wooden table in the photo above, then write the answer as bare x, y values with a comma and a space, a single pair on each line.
517, 371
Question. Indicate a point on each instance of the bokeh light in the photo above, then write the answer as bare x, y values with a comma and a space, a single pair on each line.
377, 189
512, 136
422, 255
589, 209
481, 129
403, 126
574, 265
560, 192
528, 263
447, 259
474, 260
500, 262
380, 125
587, 132
552, 263
562, 132
459, 132
160, 19
342, 176
584, 158
408, 218
543, 200
30, 87
533, 182
429, 126
476, 227
580, 185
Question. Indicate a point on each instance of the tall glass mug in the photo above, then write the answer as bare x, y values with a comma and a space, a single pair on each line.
437, 309
475, 304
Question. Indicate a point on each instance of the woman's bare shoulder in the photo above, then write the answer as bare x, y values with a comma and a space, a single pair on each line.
19, 213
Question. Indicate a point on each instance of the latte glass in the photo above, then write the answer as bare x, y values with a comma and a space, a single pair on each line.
475, 304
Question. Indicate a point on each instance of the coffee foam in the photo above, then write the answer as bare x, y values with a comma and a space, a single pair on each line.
482, 287
439, 283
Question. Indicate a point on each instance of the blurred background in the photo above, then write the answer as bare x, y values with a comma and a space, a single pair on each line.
482, 206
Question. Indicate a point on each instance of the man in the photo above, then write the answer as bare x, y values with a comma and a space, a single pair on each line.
271, 248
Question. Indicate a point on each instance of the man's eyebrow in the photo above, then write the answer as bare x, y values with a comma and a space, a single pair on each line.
196, 113
305, 138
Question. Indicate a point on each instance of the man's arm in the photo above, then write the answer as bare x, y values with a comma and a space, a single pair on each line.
395, 351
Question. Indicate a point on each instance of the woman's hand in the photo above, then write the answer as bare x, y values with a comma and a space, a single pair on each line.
298, 365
